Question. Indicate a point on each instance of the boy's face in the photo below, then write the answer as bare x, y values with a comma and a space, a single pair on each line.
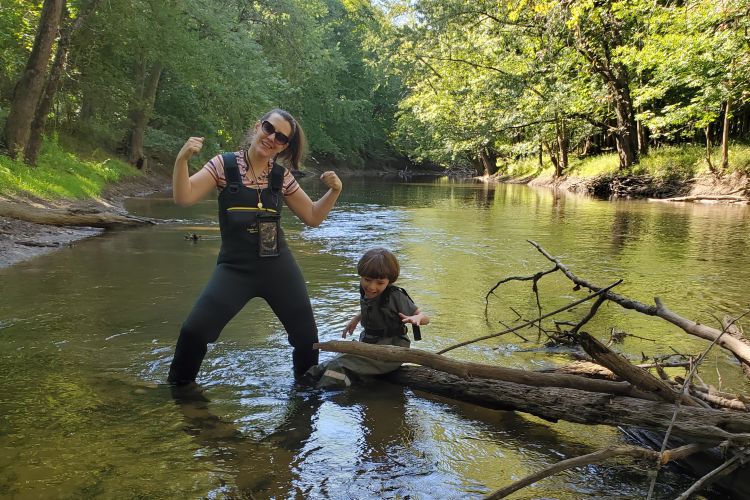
373, 286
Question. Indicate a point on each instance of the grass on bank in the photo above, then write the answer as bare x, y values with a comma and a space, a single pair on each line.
60, 174
682, 162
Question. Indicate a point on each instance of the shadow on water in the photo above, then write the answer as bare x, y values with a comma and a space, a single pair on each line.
260, 466
385, 457
280, 463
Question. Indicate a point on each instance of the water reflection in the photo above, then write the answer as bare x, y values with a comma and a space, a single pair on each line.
626, 228
86, 335
250, 466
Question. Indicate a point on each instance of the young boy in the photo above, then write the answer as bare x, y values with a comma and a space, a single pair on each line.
385, 310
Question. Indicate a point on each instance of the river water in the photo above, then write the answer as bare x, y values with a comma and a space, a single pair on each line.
87, 334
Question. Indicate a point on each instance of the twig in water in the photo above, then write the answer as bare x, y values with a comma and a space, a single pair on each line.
597, 457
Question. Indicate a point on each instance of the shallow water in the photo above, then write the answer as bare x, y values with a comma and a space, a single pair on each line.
87, 333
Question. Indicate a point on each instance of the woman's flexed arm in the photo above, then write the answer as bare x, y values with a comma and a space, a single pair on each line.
186, 189
313, 214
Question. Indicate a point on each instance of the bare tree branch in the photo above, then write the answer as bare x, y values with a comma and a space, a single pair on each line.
531, 322
595, 458
724, 468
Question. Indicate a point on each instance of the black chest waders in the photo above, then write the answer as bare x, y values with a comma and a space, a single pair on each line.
248, 267
380, 317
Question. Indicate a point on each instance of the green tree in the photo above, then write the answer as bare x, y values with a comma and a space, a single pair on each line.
29, 88
696, 65
34, 144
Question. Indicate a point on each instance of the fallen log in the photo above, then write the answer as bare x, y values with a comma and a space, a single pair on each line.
40, 244
593, 370
470, 370
705, 197
624, 369
70, 217
694, 424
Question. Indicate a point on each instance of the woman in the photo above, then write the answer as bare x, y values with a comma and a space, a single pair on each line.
254, 260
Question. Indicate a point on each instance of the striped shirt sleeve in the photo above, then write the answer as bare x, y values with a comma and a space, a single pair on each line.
215, 167
290, 184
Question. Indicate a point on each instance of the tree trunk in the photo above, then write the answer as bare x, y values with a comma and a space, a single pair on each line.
553, 156
642, 139
34, 144
707, 132
626, 134
598, 38
29, 87
562, 146
489, 161
725, 137
87, 109
573, 405
141, 112
541, 155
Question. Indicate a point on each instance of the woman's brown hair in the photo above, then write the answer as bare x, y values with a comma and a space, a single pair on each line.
296, 149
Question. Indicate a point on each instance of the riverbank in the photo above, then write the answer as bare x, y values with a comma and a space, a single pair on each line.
21, 240
705, 188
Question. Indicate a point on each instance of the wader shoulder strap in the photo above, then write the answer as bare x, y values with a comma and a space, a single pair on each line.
277, 177
416, 332
231, 170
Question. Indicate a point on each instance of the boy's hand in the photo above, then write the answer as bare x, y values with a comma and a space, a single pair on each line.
349, 328
416, 319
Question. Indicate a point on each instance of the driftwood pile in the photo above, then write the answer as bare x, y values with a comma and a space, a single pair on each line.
606, 389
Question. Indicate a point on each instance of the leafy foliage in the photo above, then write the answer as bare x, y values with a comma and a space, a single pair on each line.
439, 81
60, 174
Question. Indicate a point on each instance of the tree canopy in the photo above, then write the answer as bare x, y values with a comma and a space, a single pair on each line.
445, 82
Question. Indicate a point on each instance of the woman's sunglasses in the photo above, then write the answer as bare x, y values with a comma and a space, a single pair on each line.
278, 137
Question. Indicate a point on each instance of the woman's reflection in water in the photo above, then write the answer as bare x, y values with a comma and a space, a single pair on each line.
261, 467
271, 466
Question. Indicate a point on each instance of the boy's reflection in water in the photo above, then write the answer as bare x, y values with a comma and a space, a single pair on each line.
271, 466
